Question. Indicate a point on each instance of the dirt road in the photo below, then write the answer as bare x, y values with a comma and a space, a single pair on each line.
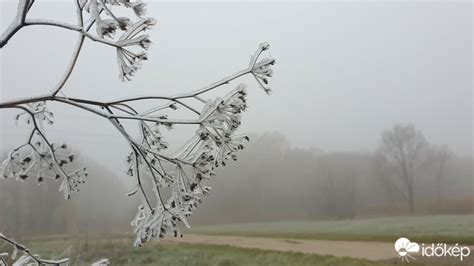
356, 249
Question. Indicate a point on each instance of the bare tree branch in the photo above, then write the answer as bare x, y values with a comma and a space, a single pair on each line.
402, 147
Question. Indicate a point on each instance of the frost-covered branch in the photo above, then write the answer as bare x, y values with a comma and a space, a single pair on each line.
38, 157
170, 184
261, 71
17, 23
27, 258
129, 46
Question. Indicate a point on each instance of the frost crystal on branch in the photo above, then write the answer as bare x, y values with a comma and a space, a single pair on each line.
214, 143
40, 159
128, 61
170, 184
131, 44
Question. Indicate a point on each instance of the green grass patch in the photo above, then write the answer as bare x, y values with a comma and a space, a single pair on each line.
436, 228
119, 249
121, 252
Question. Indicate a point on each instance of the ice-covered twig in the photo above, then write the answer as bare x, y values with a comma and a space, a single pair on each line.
129, 61
101, 262
28, 257
38, 157
17, 23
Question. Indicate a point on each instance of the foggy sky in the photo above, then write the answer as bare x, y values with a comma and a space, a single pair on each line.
345, 70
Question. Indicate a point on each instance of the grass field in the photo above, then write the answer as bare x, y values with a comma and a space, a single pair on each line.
119, 251
439, 228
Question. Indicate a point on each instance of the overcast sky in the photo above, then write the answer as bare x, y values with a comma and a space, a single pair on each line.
345, 70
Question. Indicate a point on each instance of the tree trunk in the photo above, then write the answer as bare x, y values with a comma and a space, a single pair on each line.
411, 203
439, 186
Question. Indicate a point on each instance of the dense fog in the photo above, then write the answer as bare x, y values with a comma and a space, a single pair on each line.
352, 81
271, 181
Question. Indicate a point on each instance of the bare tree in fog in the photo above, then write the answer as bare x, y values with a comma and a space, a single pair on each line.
440, 155
177, 179
402, 148
384, 173
339, 185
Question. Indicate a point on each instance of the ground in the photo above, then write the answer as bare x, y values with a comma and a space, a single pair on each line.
282, 243
120, 252
429, 228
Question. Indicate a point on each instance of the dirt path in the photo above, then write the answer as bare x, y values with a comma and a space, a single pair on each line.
356, 249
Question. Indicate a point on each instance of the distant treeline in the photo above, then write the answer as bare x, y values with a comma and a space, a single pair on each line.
274, 181
271, 180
